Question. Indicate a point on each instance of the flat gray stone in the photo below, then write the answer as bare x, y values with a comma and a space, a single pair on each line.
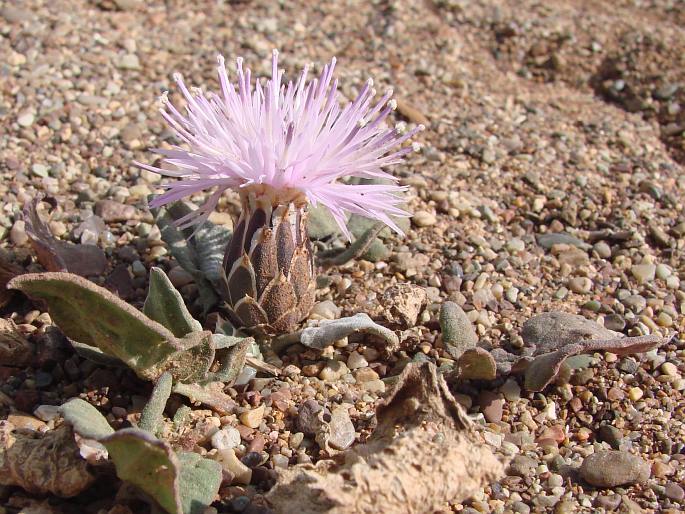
611, 468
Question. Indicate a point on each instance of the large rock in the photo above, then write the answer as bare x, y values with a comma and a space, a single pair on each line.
611, 468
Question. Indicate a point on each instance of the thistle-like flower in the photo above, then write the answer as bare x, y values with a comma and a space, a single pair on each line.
281, 147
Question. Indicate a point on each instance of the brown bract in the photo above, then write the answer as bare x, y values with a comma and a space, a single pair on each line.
421, 456
269, 268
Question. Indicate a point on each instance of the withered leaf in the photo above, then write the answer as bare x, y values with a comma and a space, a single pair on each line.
544, 369
56, 255
421, 455
49, 464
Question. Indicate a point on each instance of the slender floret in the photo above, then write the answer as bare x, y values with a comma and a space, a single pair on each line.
292, 143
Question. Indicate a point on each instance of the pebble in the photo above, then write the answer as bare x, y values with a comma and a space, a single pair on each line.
674, 492
491, 405
180, 277
128, 62
424, 219
511, 390
226, 438
342, 433
580, 285
635, 393
26, 119
325, 310
521, 466
670, 369
603, 250
611, 468
18, 234
611, 435
356, 360
644, 273
252, 418
26, 422
47, 412
228, 460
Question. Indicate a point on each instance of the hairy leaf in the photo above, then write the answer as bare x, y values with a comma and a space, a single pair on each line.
165, 305
91, 315
148, 463
86, 420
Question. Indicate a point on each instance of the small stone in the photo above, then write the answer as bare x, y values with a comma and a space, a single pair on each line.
111, 211
580, 285
228, 460
611, 435
252, 418
128, 62
491, 405
669, 369
547, 241
611, 468
511, 390
308, 420
610, 502
18, 234
39, 170
226, 438
374, 386
635, 393
26, 119
458, 334
603, 250
521, 466
47, 412
403, 303
342, 433
333, 370
520, 508
325, 310
356, 360
663, 271
644, 273
516, 245
674, 492
424, 219
26, 422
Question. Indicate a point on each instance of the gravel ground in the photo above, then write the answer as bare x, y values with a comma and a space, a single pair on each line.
543, 119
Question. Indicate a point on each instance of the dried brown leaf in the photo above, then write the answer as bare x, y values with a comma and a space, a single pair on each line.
15, 349
434, 459
56, 255
49, 464
545, 368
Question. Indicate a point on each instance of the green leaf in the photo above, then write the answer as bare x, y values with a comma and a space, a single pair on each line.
201, 256
86, 420
91, 315
165, 305
148, 463
199, 482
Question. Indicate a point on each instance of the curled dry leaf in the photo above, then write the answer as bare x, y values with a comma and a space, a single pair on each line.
15, 349
328, 332
545, 368
421, 455
49, 464
56, 255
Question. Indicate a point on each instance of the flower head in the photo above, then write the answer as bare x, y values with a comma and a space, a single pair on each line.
294, 142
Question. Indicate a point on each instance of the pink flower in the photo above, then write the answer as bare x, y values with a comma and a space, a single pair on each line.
295, 143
